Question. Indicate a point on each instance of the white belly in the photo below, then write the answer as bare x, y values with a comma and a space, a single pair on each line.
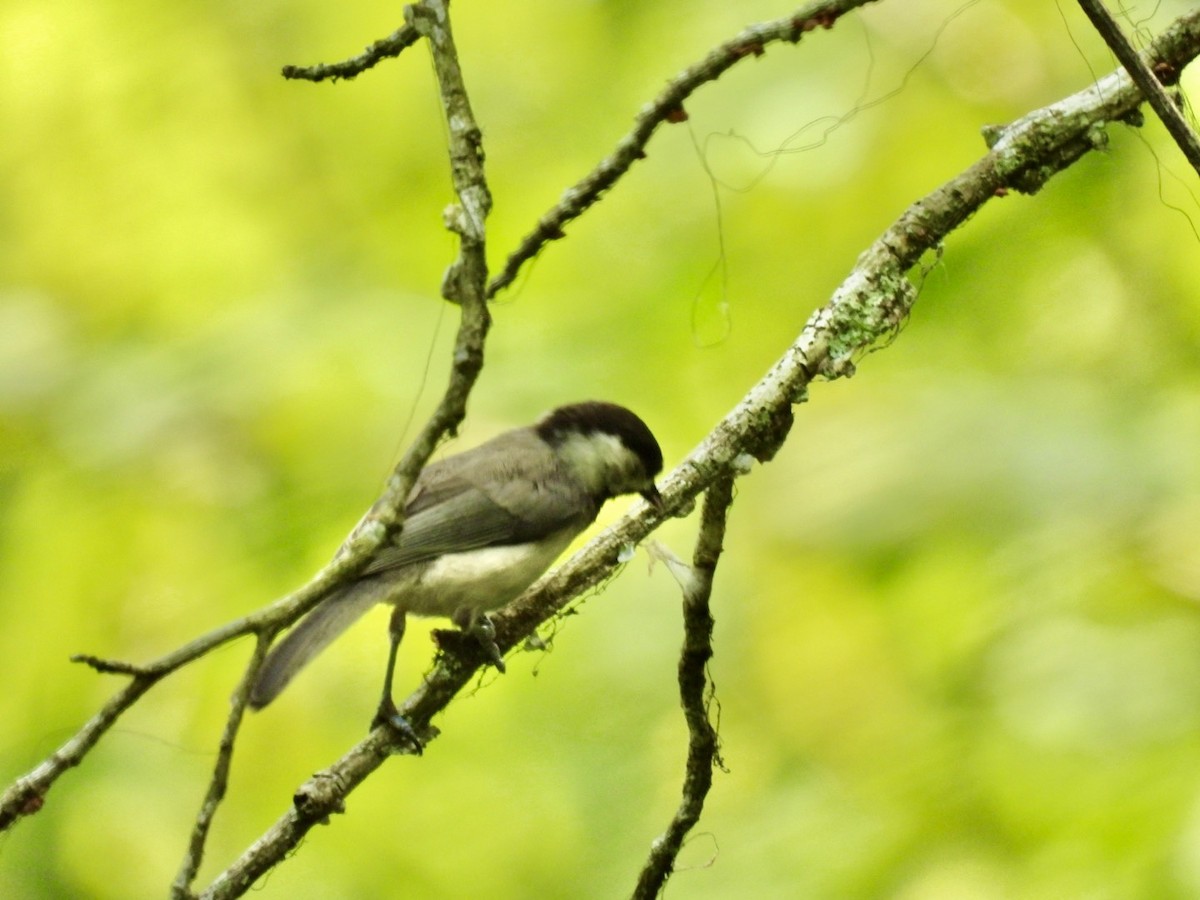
480, 580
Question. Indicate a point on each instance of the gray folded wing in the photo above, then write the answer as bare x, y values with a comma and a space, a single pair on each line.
507, 491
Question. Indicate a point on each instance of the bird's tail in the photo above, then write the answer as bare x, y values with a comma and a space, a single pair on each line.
314, 633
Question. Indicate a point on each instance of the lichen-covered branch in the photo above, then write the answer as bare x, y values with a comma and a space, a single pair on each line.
867, 309
695, 690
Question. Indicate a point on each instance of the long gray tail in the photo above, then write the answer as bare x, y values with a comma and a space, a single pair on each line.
314, 633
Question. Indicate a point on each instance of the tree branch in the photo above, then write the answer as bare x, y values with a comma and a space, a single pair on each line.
219, 781
1149, 81
666, 107
695, 689
464, 283
384, 48
27, 794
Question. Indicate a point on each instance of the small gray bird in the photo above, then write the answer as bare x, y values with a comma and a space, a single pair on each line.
479, 528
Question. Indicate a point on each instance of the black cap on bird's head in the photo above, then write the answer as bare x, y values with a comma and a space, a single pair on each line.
597, 417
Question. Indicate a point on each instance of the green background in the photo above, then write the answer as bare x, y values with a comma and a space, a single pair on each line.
958, 648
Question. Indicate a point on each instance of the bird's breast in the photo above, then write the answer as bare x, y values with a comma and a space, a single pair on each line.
482, 579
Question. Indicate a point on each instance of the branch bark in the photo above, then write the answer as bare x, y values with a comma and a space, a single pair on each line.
384, 48
695, 689
1150, 82
465, 284
666, 107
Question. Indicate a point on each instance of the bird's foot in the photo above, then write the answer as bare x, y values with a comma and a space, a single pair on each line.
479, 631
484, 633
387, 714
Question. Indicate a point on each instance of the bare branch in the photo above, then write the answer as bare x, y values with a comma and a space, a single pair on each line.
868, 308
27, 794
392, 45
695, 690
110, 666
219, 781
666, 107
314, 802
1149, 81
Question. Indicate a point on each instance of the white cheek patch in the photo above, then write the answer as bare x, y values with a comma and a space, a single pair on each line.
601, 461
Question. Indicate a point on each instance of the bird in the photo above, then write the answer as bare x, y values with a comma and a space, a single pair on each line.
480, 527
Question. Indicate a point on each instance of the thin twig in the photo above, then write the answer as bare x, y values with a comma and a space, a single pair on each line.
27, 794
110, 666
1150, 81
666, 107
219, 782
392, 45
695, 691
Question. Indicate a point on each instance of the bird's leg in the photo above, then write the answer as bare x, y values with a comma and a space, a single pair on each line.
478, 626
387, 714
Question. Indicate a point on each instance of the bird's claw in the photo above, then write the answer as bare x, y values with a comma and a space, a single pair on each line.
480, 631
388, 715
484, 633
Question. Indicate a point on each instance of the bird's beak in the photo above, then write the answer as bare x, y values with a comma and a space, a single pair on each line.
654, 498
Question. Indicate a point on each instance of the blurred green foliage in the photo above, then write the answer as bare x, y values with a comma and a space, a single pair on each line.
958, 649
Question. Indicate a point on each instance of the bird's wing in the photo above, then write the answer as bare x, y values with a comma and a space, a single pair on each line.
492, 495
